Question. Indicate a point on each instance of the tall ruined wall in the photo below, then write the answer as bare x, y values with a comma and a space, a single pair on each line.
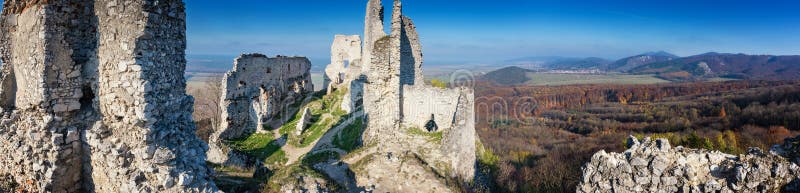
40, 91
382, 92
345, 60
655, 166
453, 112
411, 58
256, 92
258, 89
458, 143
145, 141
94, 98
373, 31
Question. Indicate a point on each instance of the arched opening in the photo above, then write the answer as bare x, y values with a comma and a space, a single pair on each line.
87, 99
431, 125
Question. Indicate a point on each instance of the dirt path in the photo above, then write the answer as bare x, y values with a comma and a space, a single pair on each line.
293, 153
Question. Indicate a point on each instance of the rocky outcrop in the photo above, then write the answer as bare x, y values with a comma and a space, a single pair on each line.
655, 166
94, 100
258, 93
302, 124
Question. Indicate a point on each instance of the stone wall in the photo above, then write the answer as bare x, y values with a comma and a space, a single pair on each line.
453, 112
420, 102
373, 31
345, 57
396, 98
42, 50
458, 142
411, 50
259, 88
94, 98
257, 93
655, 166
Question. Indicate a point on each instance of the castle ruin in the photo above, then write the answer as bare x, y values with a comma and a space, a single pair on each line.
388, 75
93, 98
257, 94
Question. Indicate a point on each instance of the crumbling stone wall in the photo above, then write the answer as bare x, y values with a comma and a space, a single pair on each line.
656, 166
256, 93
373, 31
396, 98
420, 102
345, 57
42, 50
345, 70
93, 95
411, 50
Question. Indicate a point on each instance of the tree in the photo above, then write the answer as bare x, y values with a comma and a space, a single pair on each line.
207, 97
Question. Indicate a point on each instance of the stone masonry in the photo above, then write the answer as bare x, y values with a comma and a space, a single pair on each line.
344, 71
655, 166
93, 98
345, 57
257, 93
395, 97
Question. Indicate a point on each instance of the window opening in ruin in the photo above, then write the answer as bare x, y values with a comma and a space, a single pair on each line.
242, 83
269, 70
289, 67
9, 90
431, 125
87, 99
346, 63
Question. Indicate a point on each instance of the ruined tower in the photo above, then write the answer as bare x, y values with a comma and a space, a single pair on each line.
93, 95
382, 90
396, 99
373, 31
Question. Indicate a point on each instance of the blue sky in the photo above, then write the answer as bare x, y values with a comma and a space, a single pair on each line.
487, 31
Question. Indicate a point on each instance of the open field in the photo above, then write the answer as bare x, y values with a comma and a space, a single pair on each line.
543, 135
551, 79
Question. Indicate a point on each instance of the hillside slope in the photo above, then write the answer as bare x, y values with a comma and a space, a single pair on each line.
740, 66
511, 75
632, 62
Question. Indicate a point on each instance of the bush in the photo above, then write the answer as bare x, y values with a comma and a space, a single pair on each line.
438, 83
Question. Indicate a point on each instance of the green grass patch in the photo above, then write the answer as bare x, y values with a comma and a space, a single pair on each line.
349, 138
432, 136
259, 145
290, 174
485, 155
314, 132
327, 107
276, 159
319, 157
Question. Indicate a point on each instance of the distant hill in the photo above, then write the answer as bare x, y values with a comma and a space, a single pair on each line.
511, 75
560, 63
632, 62
740, 66
578, 64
